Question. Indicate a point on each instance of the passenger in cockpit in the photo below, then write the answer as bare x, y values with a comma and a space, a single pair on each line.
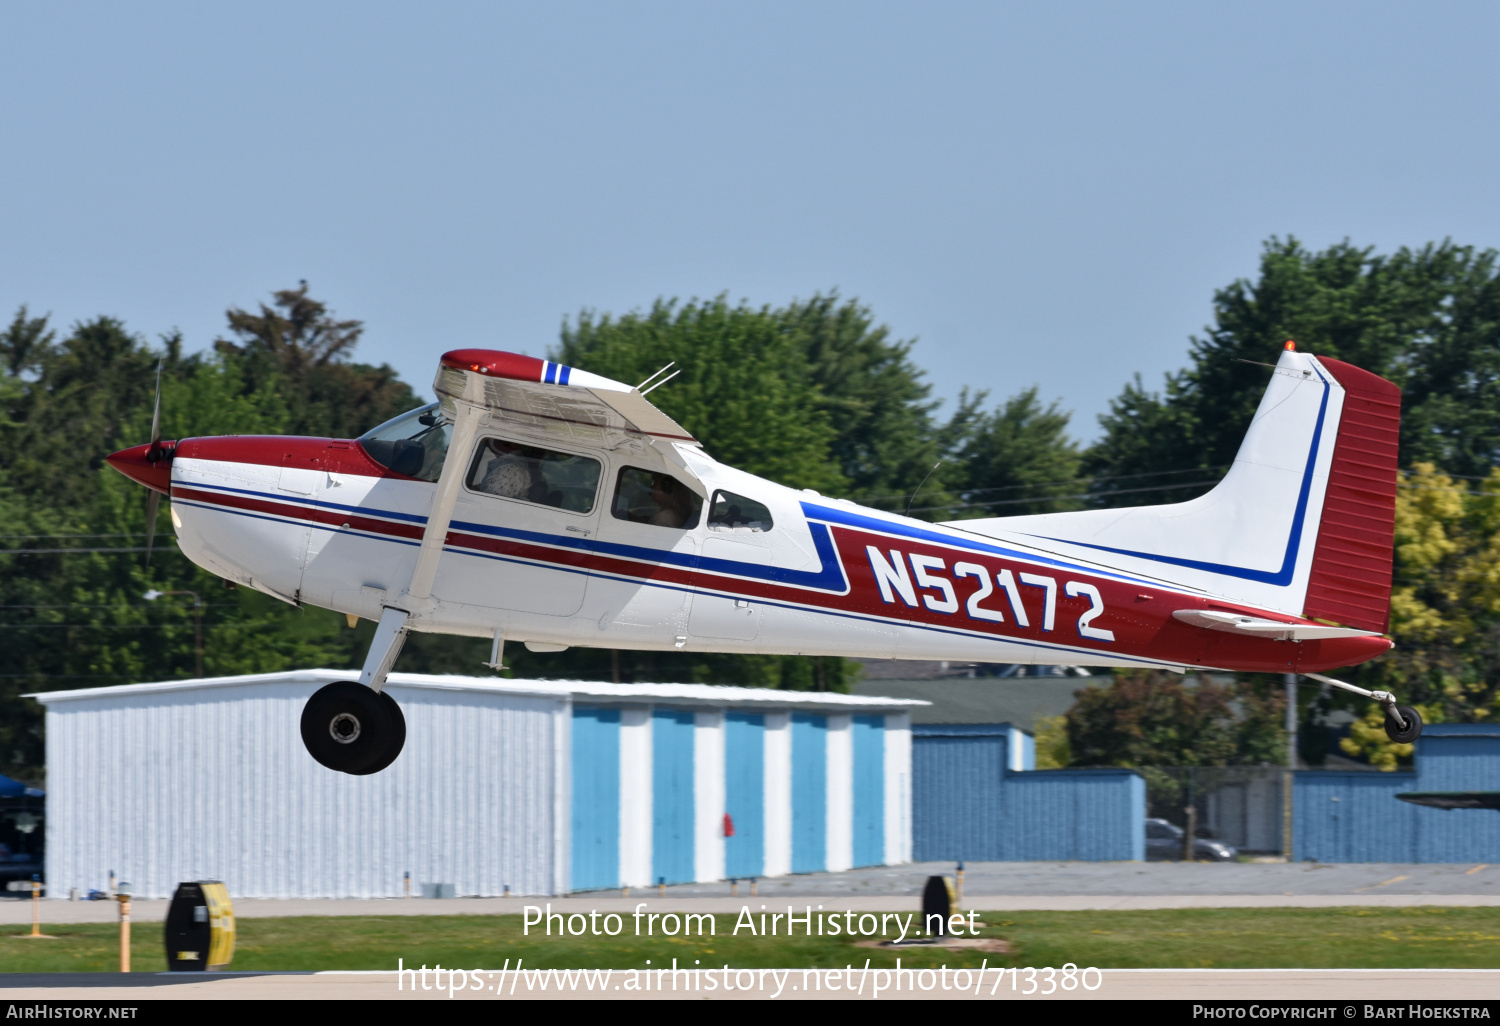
671, 499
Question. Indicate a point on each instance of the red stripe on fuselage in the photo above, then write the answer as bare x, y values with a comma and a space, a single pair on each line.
332, 455
291, 511
1139, 618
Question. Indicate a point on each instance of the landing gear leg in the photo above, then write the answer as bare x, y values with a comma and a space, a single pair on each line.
1403, 724
358, 728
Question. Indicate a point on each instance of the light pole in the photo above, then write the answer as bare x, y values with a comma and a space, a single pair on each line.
1291, 764
153, 595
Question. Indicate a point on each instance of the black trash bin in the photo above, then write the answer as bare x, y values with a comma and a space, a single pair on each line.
200, 927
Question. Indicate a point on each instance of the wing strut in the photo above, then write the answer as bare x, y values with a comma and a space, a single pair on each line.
390, 635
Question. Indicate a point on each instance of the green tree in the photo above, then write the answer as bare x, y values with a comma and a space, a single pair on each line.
1445, 606
746, 390
750, 390
1015, 459
66, 400
884, 440
1428, 319
1153, 718
72, 573
298, 345
1052, 748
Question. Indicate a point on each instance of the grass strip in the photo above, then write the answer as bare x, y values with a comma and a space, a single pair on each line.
1351, 938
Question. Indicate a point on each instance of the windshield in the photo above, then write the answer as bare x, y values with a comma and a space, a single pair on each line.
413, 444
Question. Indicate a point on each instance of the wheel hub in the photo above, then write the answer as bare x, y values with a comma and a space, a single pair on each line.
344, 728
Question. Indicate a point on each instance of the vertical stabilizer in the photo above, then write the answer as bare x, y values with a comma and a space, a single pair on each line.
1303, 522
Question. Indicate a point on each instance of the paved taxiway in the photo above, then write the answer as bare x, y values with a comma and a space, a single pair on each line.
989, 886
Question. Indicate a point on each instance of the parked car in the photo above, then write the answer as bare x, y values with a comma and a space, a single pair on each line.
1164, 841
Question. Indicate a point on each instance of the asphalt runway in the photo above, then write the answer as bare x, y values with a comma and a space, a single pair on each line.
1341, 987
988, 886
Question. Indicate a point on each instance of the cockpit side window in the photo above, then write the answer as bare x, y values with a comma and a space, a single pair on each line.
510, 470
414, 444
731, 512
647, 497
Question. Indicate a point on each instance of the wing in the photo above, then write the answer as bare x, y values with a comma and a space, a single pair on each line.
555, 400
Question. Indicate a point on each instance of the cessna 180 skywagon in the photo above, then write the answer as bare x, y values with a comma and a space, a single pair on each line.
546, 505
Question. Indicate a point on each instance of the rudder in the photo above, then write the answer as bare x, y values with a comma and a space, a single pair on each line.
1350, 580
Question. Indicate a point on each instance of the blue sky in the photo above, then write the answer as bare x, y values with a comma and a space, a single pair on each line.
1039, 193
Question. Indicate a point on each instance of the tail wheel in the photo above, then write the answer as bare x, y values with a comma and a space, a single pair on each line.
1403, 725
349, 728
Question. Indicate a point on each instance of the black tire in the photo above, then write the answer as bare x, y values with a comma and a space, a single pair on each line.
1407, 729
349, 728
396, 739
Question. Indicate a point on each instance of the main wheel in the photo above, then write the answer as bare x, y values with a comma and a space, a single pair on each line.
349, 728
1407, 729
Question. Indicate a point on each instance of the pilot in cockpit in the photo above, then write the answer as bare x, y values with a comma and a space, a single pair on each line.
511, 474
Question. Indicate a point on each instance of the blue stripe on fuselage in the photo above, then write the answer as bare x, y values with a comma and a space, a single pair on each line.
828, 577
820, 535
916, 532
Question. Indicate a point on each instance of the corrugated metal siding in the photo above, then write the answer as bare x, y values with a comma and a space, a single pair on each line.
956, 807
596, 798
1354, 817
778, 801
193, 785
897, 788
1089, 815
672, 807
498, 787
869, 790
966, 804
635, 798
809, 792
745, 794
1458, 757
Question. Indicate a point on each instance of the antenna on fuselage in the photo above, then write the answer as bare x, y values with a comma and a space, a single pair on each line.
641, 388
662, 382
914, 494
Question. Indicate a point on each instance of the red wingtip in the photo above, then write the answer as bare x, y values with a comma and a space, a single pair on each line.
141, 465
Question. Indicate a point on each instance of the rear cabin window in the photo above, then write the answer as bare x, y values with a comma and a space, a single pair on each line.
510, 470
646, 497
731, 512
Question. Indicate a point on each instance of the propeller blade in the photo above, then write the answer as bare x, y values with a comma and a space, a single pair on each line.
156, 413
153, 504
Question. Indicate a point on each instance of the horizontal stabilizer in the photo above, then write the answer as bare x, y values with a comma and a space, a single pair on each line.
1215, 620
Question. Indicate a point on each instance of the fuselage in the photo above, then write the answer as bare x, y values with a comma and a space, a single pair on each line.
322, 522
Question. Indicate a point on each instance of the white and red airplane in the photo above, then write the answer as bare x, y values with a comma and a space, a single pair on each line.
538, 503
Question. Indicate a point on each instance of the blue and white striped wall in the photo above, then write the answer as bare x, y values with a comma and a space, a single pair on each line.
808, 783
505, 786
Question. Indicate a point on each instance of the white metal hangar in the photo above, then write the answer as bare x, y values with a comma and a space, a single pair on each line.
531, 787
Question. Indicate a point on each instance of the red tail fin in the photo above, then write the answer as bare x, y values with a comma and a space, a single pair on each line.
1351, 569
